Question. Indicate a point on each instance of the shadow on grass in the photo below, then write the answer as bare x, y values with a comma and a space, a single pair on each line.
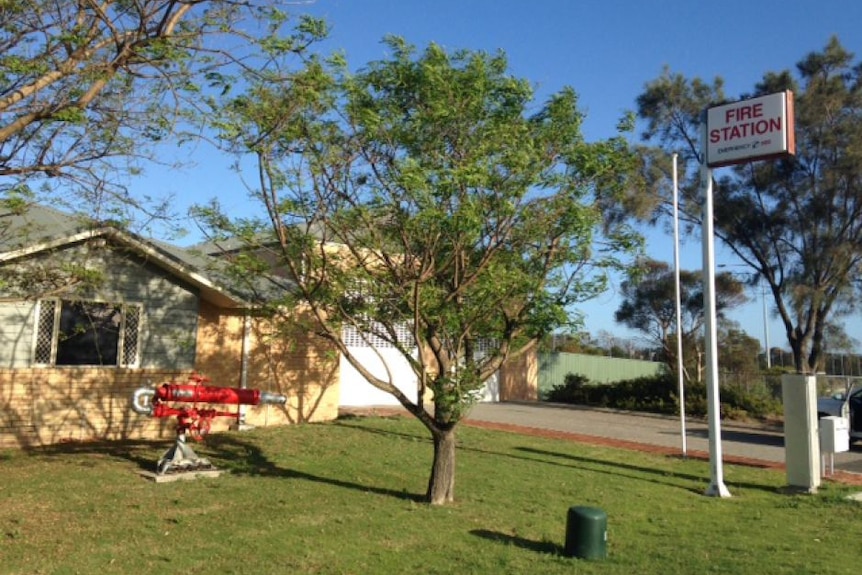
641, 473
528, 544
142, 452
340, 422
227, 451
665, 475
595, 465
244, 458
231, 453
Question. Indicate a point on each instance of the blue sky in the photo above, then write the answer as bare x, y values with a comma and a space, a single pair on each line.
605, 49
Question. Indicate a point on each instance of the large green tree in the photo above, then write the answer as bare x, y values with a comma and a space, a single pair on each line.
91, 89
88, 87
796, 222
429, 204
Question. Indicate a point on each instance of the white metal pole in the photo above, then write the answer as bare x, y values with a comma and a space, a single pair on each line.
678, 310
243, 372
716, 487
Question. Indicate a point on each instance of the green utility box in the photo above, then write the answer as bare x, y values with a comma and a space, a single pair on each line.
587, 533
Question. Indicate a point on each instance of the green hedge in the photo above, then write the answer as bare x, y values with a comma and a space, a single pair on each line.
659, 394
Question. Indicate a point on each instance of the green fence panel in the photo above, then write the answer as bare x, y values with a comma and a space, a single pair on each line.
553, 368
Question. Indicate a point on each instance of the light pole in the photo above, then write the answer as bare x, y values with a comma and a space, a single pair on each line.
768, 353
765, 326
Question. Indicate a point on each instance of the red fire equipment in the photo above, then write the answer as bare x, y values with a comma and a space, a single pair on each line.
192, 420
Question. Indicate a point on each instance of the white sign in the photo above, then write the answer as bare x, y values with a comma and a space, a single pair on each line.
755, 129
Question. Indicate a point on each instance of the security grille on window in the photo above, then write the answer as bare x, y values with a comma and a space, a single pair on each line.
87, 333
354, 337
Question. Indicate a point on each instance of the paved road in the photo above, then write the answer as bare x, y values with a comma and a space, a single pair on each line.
737, 440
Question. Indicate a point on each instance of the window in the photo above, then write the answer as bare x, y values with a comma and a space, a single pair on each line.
87, 333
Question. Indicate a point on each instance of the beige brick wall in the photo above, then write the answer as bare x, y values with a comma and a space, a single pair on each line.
518, 377
48, 406
294, 363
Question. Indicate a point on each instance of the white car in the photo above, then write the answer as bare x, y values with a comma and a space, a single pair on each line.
844, 404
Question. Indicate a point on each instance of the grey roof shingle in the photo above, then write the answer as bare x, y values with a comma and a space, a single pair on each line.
41, 227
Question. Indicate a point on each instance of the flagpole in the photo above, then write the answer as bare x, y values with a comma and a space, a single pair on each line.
678, 309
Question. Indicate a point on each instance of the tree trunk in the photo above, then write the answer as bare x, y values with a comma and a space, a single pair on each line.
798, 354
441, 486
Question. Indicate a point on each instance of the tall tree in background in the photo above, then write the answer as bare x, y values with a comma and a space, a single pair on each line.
796, 222
87, 87
649, 306
423, 205
737, 351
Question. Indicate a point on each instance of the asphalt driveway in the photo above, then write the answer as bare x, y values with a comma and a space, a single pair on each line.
745, 442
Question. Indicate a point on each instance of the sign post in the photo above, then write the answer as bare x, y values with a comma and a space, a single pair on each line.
716, 488
755, 129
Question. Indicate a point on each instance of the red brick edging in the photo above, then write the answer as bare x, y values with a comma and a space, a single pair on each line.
838, 476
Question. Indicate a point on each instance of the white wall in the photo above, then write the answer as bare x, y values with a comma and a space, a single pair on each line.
357, 392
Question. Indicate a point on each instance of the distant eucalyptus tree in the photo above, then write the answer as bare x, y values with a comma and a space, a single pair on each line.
649, 306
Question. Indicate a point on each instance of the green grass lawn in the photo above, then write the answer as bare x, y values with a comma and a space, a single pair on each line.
345, 497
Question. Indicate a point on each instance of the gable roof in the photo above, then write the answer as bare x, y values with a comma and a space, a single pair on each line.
39, 228
219, 247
